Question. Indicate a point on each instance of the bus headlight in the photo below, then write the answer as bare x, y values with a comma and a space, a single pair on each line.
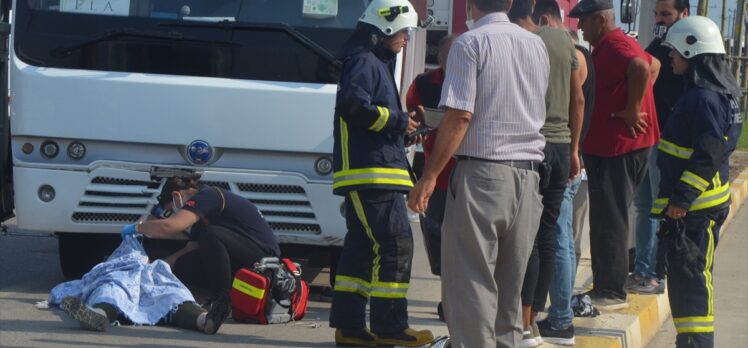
76, 150
49, 149
46, 193
323, 166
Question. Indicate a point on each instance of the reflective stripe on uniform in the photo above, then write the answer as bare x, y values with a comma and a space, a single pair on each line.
384, 116
352, 284
708, 270
708, 199
694, 324
379, 289
363, 176
695, 181
390, 289
675, 150
344, 144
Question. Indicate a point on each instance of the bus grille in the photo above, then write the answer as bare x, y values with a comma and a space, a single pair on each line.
286, 208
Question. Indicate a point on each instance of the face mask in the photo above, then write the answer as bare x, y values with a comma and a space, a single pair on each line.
175, 206
660, 29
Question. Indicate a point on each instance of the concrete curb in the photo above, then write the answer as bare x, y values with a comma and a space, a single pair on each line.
635, 326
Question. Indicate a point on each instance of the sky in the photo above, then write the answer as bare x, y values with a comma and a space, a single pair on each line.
714, 12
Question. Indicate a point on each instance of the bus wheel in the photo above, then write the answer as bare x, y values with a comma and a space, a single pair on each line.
79, 252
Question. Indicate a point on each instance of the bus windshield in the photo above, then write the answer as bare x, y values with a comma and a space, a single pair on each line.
273, 40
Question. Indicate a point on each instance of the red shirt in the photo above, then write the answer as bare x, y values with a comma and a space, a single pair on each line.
412, 100
608, 136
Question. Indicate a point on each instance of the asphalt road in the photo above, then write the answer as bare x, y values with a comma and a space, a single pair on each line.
29, 269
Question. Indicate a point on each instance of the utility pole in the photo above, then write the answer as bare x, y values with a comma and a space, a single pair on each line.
722, 19
703, 8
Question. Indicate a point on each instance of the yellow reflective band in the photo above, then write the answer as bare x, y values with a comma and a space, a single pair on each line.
359, 208
695, 181
705, 319
354, 280
383, 294
384, 116
374, 181
675, 150
344, 143
396, 171
250, 290
708, 199
352, 290
390, 290
708, 271
391, 285
711, 198
698, 329
351, 284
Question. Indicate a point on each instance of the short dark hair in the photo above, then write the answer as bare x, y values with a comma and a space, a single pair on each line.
489, 6
681, 5
520, 9
177, 183
546, 8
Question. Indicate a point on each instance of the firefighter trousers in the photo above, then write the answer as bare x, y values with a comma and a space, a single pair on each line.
692, 299
375, 263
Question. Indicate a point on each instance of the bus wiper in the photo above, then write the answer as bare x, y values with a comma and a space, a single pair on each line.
295, 34
110, 34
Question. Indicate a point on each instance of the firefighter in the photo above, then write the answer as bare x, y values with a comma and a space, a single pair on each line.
371, 172
694, 195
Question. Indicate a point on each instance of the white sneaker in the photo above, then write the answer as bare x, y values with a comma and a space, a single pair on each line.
528, 341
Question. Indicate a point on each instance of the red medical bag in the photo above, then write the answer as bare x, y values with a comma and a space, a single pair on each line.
271, 292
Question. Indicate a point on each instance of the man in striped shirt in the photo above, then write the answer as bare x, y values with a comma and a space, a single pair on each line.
494, 93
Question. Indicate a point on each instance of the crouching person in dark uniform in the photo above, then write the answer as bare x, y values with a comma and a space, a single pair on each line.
694, 195
370, 170
226, 233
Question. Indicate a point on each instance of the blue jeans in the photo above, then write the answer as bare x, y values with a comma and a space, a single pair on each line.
560, 314
646, 226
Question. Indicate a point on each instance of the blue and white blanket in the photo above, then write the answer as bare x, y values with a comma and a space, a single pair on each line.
144, 292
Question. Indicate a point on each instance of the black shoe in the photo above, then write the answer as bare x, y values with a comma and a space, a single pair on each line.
85, 315
217, 314
564, 337
440, 311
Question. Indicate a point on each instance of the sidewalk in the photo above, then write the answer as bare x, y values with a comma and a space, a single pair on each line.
636, 326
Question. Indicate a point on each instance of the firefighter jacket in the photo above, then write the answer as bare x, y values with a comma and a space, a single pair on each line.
370, 126
701, 133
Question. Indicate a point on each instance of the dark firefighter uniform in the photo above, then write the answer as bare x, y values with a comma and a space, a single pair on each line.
700, 135
371, 171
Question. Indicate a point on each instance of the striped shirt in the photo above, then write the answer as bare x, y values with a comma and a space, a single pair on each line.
499, 72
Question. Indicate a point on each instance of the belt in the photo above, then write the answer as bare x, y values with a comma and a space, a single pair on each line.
519, 164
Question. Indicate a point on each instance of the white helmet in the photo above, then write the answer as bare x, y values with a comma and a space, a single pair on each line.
695, 35
390, 16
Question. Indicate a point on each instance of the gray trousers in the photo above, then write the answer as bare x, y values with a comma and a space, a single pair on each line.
580, 212
491, 219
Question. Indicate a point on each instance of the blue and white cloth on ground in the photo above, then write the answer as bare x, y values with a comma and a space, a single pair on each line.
144, 292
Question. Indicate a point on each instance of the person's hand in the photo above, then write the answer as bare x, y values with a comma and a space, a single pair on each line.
128, 230
417, 140
634, 120
418, 114
418, 199
412, 125
675, 212
575, 166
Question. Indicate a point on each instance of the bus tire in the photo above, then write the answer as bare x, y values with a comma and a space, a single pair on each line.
79, 252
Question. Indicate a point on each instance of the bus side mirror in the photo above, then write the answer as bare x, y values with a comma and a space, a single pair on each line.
629, 8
